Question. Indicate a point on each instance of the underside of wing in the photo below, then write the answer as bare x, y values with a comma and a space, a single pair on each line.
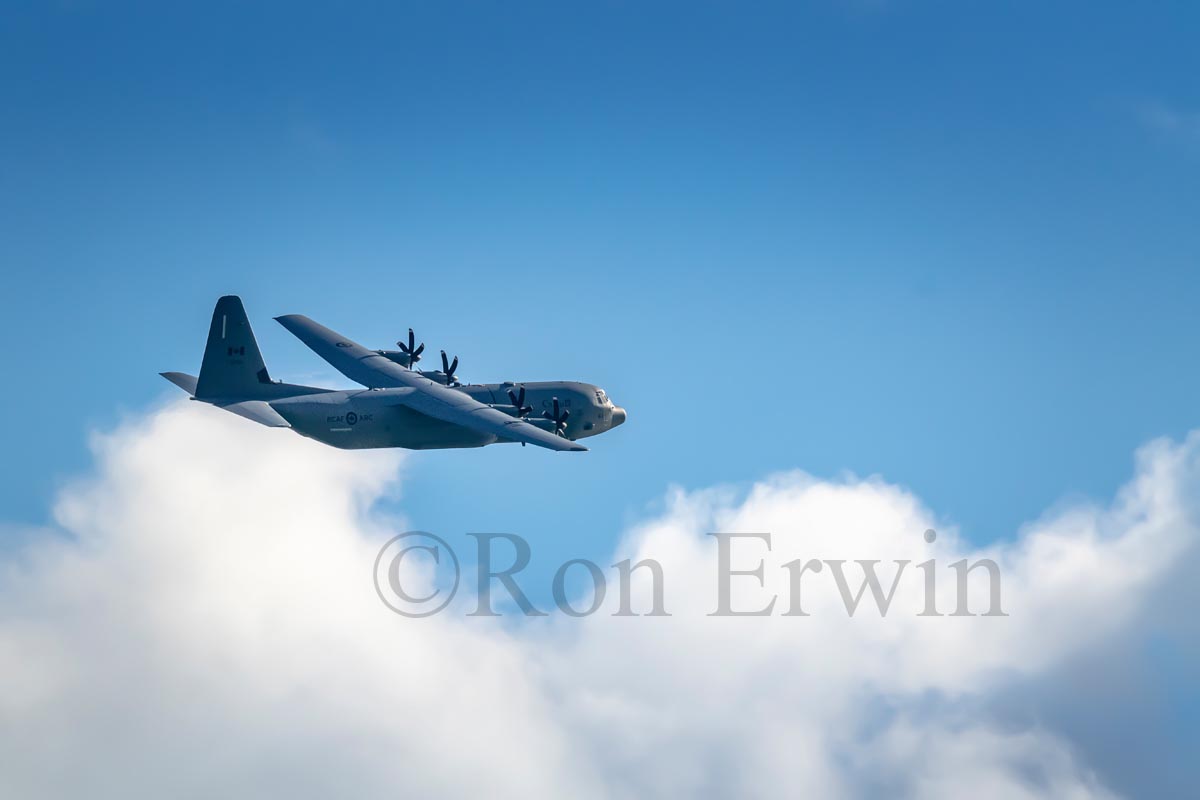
346, 356
374, 371
485, 419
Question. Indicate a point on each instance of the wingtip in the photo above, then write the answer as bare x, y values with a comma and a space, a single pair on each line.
288, 319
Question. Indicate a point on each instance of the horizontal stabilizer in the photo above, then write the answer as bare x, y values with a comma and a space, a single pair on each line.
259, 412
182, 380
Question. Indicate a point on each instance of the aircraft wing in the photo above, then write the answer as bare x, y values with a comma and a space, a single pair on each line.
432, 399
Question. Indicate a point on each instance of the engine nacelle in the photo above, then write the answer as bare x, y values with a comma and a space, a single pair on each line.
395, 355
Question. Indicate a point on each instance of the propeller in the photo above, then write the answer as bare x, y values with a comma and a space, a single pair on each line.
559, 419
518, 400
448, 368
412, 349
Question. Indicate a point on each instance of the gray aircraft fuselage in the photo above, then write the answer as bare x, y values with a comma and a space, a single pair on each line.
364, 418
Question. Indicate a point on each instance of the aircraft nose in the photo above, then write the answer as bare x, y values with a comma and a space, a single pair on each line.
618, 416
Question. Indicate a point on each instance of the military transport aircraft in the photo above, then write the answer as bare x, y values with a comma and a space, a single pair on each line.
401, 406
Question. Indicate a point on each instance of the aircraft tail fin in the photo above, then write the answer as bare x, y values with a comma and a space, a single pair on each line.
233, 365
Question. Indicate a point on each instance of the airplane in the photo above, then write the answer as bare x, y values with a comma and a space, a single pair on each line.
400, 406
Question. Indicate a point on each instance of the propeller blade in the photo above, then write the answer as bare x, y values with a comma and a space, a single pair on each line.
412, 350
518, 401
558, 416
448, 368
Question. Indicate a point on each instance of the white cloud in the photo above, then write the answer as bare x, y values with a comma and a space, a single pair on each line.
208, 626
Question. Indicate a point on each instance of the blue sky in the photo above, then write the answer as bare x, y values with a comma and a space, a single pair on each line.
954, 245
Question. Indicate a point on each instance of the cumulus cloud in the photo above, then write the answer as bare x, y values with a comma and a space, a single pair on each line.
203, 623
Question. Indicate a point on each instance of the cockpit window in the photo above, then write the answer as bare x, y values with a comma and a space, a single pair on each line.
601, 396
